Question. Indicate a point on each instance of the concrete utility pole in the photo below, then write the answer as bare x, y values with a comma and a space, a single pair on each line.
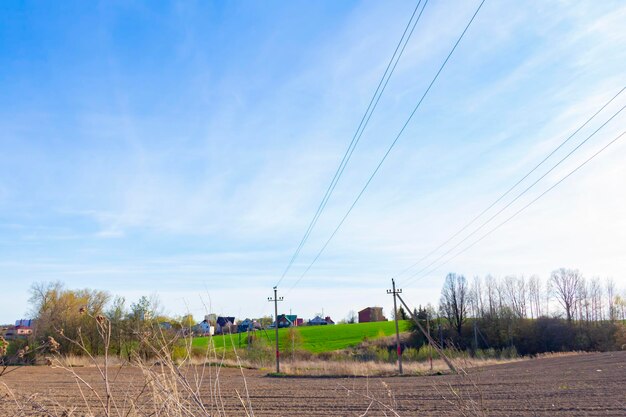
276, 299
395, 316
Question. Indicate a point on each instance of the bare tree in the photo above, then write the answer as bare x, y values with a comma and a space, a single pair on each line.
610, 297
352, 317
595, 293
548, 294
476, 297
534, 296
515, 290
583, 301
566, 286
490, 284
501, 297
620, 306
454, 300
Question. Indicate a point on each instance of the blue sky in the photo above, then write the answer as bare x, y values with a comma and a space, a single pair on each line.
180, 149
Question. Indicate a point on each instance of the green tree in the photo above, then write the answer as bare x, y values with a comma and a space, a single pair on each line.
293, 340
402, 314
352, 317
68, 314
116, 314
187, 321
266, 321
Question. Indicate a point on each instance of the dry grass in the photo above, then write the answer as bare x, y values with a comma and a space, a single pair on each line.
560, 354
167, 388
171, 388
353, 368
75, 361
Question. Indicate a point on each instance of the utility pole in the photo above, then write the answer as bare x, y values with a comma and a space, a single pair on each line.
430, 347
395, 315
276, 299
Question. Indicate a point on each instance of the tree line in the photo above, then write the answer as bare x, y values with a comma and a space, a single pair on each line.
69, 315
565, 312
532, 315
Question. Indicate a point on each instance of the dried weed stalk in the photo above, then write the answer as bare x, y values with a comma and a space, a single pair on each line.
167, 387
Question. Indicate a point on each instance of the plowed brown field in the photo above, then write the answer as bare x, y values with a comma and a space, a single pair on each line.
581, 385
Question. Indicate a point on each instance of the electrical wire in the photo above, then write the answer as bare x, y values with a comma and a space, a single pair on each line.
479, 215
524, 207
382, 85
360, 194
517, 197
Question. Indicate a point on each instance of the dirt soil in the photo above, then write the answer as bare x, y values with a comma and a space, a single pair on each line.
582, 385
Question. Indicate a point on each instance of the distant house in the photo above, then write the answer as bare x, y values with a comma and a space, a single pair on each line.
318, 321
371, 314
144, 315
287, 320
204, 328
9, 333
24, 323
165, 325
225, 324
23, 328
248, 325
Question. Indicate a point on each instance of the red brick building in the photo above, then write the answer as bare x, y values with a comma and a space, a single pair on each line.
371, 314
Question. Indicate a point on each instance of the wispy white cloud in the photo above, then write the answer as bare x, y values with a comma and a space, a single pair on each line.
212, 182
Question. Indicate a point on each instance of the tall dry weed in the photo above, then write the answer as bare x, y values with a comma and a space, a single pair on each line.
168, 387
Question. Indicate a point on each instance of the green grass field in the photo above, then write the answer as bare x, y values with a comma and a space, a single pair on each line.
314, 339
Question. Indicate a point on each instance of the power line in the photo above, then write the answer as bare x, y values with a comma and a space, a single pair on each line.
517, 197
479, 215
390, 147
527, 205
382, 85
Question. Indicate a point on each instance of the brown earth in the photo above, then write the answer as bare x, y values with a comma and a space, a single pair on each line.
582, 385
